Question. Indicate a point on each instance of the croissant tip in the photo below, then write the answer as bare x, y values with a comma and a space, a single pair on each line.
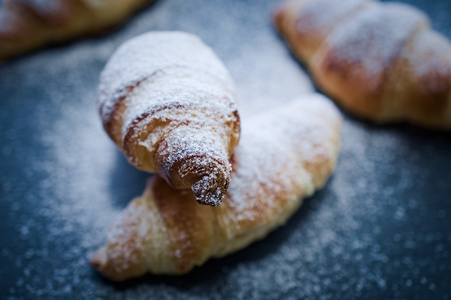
207, 194
208, 198
99, 258
211, 188
208, 201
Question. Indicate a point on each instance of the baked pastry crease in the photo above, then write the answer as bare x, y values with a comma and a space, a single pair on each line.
26, 25
169, 104
284, 155
379, 61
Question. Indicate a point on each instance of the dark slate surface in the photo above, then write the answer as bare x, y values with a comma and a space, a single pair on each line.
379, 229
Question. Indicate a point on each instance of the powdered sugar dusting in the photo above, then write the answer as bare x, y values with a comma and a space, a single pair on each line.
180, 97
151, 53
275, 155
321, 16
429, 60
370, 42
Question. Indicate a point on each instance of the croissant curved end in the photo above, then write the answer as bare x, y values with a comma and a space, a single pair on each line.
99, 259
112, 269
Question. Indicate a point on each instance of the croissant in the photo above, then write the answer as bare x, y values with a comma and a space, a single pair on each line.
283, 156
380, 61
26, 25
169, 103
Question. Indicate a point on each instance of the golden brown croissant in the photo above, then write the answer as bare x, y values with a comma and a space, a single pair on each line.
26, 25
169, 104
283, 156
380, 61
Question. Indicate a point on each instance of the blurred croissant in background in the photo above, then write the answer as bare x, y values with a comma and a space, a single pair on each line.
26, 25
380, 61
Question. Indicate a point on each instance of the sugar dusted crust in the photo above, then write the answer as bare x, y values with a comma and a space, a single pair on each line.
169, 104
